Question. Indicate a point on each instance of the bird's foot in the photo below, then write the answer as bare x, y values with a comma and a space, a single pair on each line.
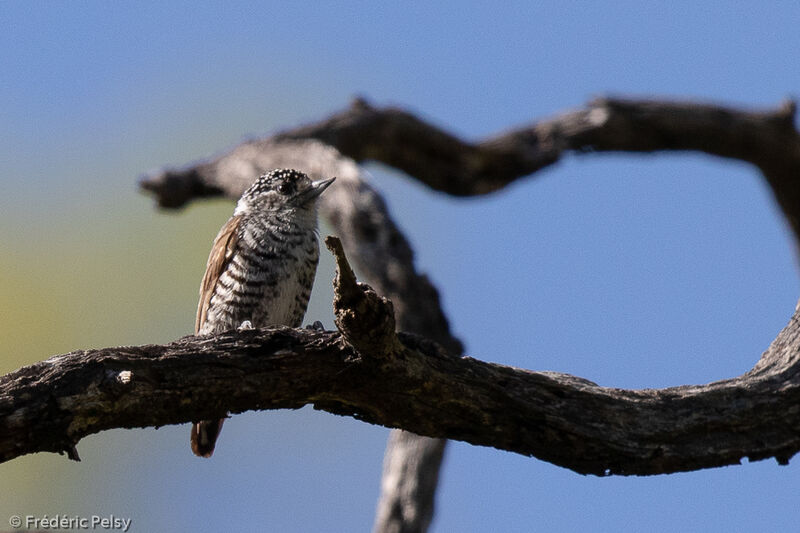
316, 326
245, 326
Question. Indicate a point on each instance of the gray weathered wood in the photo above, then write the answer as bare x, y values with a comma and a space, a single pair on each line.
410, 382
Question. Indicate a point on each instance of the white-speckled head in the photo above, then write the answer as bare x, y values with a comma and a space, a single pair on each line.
279, 190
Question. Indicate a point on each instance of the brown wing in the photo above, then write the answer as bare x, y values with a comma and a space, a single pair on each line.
218, 259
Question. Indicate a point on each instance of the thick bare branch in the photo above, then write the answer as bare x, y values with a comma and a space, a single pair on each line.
413, 384
767, 139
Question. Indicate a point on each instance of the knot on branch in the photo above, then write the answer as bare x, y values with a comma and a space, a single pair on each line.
365, 318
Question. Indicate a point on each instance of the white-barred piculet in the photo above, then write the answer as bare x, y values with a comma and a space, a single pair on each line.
261, 267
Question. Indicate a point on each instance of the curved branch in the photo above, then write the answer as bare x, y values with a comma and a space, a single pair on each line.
409, 382
449, 164
446, 163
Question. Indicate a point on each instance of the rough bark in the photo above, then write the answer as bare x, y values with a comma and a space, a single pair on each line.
401, 380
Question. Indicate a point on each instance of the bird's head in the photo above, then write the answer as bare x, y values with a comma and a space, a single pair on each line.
282, 189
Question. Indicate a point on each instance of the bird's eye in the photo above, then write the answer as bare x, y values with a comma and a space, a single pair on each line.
285, 188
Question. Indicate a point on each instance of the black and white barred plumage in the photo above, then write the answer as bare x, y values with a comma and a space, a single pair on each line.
261, 267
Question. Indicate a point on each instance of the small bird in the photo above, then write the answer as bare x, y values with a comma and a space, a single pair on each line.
261, 267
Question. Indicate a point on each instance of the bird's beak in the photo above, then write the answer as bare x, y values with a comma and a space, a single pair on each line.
316, 189
321, 185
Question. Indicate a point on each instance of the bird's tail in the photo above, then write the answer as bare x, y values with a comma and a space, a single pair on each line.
204, 436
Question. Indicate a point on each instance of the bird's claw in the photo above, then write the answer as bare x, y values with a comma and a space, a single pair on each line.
245, 326
316, 326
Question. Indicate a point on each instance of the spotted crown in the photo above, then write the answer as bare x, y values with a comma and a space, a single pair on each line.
282, 180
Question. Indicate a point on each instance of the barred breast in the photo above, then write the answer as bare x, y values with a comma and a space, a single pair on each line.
267, 279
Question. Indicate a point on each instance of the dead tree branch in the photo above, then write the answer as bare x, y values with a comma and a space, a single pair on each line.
407, 381
446, 163
767, 139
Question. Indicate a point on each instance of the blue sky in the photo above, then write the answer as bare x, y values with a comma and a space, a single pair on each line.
632, 271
